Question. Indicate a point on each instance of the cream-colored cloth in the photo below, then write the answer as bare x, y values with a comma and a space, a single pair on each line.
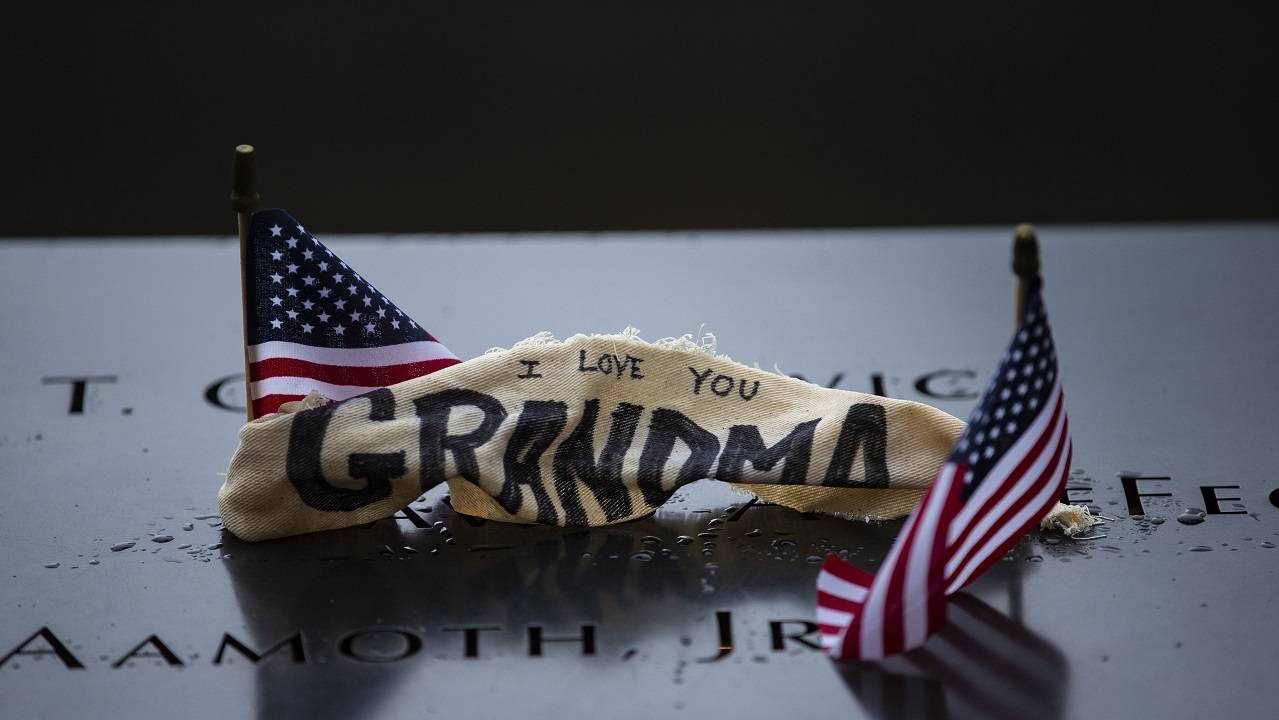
590, 431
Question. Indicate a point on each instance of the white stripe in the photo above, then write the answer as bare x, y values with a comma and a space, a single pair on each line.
352, 357
1003, 527
919, 564
835, 585
830, 616
302, 386
872, 626
993, 484
1033, 510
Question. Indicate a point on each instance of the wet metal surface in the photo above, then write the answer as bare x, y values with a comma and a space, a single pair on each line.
122, 595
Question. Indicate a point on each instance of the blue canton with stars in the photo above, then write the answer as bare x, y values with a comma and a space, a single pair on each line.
298, 291
1015, 396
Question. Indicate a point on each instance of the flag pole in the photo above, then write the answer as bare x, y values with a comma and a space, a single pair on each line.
244, 201
1025, 264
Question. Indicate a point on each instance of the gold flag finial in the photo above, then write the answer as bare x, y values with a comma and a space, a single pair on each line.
1025, 264
244, 201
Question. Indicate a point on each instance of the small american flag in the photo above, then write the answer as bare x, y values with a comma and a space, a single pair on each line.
313, 323
1005, 473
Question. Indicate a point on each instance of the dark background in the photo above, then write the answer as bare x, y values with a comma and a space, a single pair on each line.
486, 116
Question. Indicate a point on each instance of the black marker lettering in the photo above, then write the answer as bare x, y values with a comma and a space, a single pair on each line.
635, 373
866, 427
434, 439
531, 370
539, 423
303, 465
581, 363
575, 458
664, 429
745, 444
700, 378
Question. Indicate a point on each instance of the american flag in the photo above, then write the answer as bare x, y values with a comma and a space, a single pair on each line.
1005, 473
313, 323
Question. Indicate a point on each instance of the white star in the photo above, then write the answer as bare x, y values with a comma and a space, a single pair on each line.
1034, 350
1016, 356
308, 280
277, 277
981, 438
1027, 369
1034, 403
381, 312
355, 317
1010, 428
395, 324
292, 268
307, 327
339, 330
367, 301
1039, 331
1017, 408
324, 317
368, 327
999, 413
340, 304
276, 254
277, 324
308, 304
1010, 375
293, 314
1050, 376
973, 457
994, 432
990, 451
963, 444
293, 242
307, 254
1022, 336
301, 229
275, 230
325, 292
1005, 394
352, 289
1022, 388
324, 266
277, 300
337, 277
1039, 383
293, 292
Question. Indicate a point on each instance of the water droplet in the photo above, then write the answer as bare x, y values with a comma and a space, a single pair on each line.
1189, 518
1035, 558
1267, 544
410, 549
642, 556
122, 546
162, 538
814, 559
651, 540
779, 544
184, 546
708, 553
715, 521
172, 559
208, 517
93, 562
712, 566
707, 536
52, 565
188, 526
684, 540
450, 541
1201, 548
754, 533
215, 546
1157, 521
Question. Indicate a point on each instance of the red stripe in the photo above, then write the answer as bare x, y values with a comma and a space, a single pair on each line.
1023, 501
838, 602
894, 598
846, 571
371, 377
994, 497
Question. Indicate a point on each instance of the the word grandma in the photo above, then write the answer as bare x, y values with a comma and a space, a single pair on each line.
574, 464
